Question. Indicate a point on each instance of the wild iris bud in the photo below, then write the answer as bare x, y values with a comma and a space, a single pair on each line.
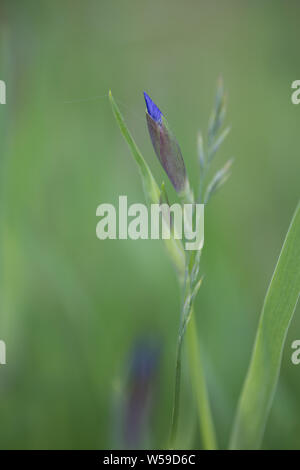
166, 146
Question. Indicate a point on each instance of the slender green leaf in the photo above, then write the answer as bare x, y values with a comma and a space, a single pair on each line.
198, 382
150, 186
261, 380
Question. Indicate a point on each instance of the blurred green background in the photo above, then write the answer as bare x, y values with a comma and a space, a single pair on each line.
72, 306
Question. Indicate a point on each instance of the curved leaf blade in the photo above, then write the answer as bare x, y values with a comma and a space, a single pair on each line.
261, 380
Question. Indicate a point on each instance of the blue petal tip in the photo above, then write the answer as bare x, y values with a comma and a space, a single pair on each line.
152, 109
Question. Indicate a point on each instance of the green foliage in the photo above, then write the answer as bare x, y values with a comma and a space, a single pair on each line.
187, 264
261, 380
71, 306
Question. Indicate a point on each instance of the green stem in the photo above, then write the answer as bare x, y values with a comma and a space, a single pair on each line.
196, 369
199, 384
175, 411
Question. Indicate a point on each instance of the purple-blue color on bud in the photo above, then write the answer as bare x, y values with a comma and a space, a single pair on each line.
152, 109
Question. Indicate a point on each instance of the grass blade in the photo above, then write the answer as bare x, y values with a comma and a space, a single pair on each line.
206, 424
261, 380
150, 186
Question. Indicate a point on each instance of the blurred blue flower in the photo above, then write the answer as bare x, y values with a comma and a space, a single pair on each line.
141, 380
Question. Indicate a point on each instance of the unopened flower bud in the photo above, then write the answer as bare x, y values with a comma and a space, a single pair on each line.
165, 145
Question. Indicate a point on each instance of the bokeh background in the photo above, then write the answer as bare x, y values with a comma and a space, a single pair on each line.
84, 319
